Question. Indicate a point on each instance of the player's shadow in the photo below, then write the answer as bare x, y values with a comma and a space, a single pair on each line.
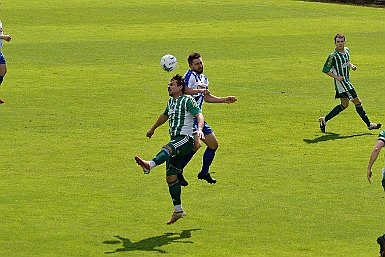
332, 136
150, 244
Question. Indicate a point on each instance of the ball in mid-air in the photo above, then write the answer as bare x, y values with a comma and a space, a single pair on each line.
168, 62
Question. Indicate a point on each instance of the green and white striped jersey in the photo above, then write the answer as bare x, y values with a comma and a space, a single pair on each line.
181, 112
339, 64
381, 136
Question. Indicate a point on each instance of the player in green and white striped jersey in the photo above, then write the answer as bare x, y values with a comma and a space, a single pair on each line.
373, 157
338, 66
180, 111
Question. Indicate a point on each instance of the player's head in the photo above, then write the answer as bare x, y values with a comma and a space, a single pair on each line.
339, 40
175, 86
195, 62
339, 36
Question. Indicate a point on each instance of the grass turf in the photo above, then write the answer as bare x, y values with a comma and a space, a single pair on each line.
84, 85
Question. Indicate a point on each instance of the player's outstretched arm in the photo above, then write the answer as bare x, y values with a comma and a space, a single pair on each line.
6, 37
161, 120
373, 157
215, 99
194, 91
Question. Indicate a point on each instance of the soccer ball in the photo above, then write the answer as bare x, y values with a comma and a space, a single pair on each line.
168, 62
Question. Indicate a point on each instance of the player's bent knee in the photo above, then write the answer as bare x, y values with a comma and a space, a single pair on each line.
3, 70
168, 148
171, 179
358, 104
213, 145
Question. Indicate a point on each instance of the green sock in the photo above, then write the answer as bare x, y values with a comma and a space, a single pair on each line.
175, 191
336, 110
360, 110
162, 156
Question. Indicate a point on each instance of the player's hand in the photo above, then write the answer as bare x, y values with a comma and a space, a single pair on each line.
200, 134
7, 38
149, 133
231, 99
370, 176
339, 78
206, 92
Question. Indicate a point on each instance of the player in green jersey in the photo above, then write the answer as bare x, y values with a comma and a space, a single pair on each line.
373, 157
180, 112
338, 66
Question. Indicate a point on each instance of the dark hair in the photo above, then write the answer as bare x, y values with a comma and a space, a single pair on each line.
193, 56
179, 79
339, 36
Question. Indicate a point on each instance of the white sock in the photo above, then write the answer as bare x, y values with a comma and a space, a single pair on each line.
178, 208
383, 173
152, 164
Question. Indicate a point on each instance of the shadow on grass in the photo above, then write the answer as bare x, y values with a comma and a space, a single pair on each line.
150, 244
332, 136
371, 3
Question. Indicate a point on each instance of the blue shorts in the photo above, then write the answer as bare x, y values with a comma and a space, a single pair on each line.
2, 60
206, 128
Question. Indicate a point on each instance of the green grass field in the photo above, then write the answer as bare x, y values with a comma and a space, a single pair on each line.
84, 85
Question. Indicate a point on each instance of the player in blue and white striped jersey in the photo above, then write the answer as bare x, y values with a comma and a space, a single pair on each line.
3, 66
197, 84
338, 66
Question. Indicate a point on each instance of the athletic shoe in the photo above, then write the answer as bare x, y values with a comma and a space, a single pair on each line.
207, 177
176, 216
182, 181
322, 124
144, 164
1, 101
374, 126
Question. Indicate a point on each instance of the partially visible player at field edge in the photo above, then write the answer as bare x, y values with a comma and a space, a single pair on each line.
197, 84
373, 157
180, 111
338, 66
381, 242
3, 65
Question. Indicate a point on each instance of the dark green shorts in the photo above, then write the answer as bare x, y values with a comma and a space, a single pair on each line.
351, 94
180, 145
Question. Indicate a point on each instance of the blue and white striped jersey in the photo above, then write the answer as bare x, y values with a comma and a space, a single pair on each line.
195, 80
1, 33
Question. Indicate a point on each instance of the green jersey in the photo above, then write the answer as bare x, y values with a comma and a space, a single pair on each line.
339, 64
181, 112
381, 136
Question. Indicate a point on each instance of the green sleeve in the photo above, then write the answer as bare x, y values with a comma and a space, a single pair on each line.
328, 64
192, 106
381, 136
166, 111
